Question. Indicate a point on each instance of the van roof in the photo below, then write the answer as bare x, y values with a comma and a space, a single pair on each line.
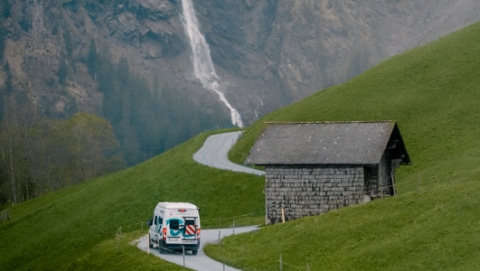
168, 205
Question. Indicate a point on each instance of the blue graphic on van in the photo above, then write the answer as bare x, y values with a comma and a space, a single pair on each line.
176, 226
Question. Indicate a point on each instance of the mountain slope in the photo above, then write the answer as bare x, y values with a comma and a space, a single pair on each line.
302, 46
129, 61
433, 223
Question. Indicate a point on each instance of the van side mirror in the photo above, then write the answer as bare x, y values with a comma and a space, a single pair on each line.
149, 222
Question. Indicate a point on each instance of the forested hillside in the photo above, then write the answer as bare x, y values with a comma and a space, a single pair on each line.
42, 155
430, 224
59, 59
129, 63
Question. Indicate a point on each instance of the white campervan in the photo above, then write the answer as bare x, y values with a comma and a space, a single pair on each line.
175, 225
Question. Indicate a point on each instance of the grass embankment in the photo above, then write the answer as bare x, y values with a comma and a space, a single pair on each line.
90, 225
434, 223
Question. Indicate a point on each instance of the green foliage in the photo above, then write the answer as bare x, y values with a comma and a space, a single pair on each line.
76, 227
5, 8
432, 224
38, 156
178, 110
62, 70
14, 148
141, 116
8, 79
68, 42
90, 141
92, 59
6, 90
3, 38
123, 71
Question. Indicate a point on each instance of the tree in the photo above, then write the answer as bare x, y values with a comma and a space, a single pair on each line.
62, 70
2, 41
123, 71
68, 42
5, 7
49, 158
92, 145
44, 155
92, 60
8, 79
14, 140
9, 158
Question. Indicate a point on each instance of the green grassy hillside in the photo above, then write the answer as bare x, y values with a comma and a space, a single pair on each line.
434, 222
89, 226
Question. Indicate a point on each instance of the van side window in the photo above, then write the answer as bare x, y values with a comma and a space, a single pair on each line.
174, 224
155, 221
160, 220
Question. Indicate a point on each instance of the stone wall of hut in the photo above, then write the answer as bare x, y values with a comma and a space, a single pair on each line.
311, 190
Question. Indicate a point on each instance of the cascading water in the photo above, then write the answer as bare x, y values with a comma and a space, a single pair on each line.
202, 61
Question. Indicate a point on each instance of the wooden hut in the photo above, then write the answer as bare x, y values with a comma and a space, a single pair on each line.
311, 168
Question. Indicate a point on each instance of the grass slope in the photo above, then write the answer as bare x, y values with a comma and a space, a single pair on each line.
90, 225
434, 223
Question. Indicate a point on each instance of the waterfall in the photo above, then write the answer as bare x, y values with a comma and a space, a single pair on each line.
203, 68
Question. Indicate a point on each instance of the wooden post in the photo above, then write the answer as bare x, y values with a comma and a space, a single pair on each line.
233, 226
418, 181
393, 183
283, 215
183, 252
148, 245
219, 243
243, 249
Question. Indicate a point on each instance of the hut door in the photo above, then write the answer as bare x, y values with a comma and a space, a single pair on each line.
371, 181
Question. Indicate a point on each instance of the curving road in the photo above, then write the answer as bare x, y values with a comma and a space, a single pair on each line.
213, 153
201, 261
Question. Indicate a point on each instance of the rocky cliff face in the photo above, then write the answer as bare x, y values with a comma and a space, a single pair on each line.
269, 52
307, 45
42, 34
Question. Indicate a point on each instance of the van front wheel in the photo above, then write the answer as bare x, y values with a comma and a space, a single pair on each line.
194, 252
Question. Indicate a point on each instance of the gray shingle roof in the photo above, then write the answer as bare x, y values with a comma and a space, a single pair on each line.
323, 143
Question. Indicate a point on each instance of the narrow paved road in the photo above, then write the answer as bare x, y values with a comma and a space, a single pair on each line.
213, 153
200, 262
